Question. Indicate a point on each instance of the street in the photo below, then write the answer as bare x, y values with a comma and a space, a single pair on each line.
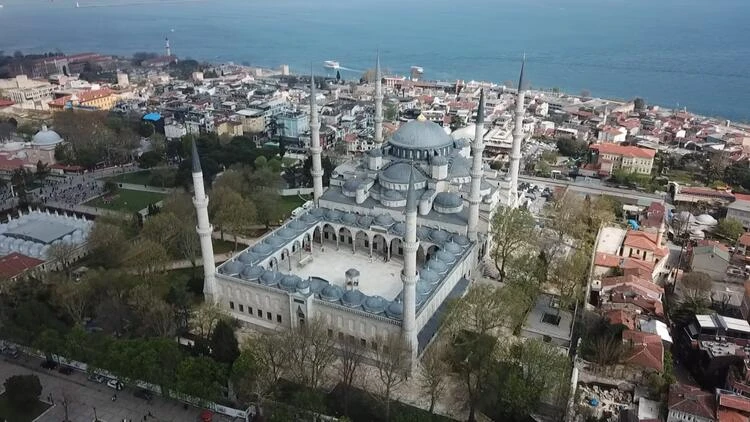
87, 397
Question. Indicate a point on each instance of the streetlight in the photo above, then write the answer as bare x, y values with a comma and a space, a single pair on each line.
96, 418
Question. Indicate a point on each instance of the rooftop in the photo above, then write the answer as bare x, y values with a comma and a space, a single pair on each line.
625, 151
542, 317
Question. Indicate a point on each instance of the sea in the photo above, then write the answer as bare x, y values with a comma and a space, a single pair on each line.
692, 54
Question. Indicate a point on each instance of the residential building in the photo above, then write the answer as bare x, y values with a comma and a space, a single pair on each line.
99, 99
740, 210
613, 157
21, 89
548, 322
610, 134
690, 404
712, 258
292, 124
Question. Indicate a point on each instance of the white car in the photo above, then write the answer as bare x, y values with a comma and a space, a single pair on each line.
113, 383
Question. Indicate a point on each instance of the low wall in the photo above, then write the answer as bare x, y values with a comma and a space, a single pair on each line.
296, 191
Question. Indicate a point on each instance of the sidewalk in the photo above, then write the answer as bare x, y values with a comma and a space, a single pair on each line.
85, 396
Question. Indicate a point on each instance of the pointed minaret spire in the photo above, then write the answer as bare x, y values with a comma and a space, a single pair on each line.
167, 48
378, 102
315, 149
518, 135
409, 275
204, 229
477, 149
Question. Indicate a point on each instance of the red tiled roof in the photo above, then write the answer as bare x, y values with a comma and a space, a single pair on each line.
621, 317
5, 102
691, 400
741, 197
734, 401
83, 96
608, 260
647, 349
706, 192
15, 263
745, 239
8, 163
730, 416
637, 263
644, 241
634, 281
626, 151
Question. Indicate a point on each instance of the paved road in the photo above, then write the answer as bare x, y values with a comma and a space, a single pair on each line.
594, 186
86, 395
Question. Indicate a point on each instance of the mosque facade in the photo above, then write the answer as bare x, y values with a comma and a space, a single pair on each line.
396, 234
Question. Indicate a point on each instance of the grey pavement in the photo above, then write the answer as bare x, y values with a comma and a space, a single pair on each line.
85, 395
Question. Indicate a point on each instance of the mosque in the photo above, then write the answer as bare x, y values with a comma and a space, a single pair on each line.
396, 234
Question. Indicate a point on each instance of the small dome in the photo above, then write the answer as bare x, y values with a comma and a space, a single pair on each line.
353, 298
395, 310
439, 267
286, 233
429, 276
420, 134
365, 221
270, 278
375, 304
706, 220
309, 218
333, 215
462, 240
46, 137
274, 241
439, 236
375, 152
423, 288
318, 212
232, 268
289, 282
252, 272
262, 249
446, 257
332, 293
423, 232
349, 219
399, 228
453, 248
448, 200
384, 220
247, 257
298, 225
303, 286
317, 285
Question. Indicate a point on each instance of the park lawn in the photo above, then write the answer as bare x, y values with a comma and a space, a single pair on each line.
289, 203
10, 413
226, 245
136, 178
128, 200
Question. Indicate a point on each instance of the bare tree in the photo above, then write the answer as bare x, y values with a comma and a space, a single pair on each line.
64, 254
351, 354
311, 350
433, 373
205, 319
512, 230
392, 364
74, 298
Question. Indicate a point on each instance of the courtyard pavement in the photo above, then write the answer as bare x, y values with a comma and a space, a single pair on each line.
85, 396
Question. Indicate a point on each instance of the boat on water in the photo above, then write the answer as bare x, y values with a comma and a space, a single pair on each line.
331, 64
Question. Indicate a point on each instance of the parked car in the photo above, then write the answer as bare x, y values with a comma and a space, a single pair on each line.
10, 351
115, 384
144, 394
96, 378
48, 364
65, 370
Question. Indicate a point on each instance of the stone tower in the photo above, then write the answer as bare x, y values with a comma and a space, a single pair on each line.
409, 275
378, 103
315, 149
477, 148
515, 153
204, 229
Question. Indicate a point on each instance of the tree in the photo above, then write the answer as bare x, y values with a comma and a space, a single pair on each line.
74, 297
311, 351
205, 319
338, 76
224, 346
42, 170
392, 367
511, 231
259, 367
23, 391
730, 229
433, 373
201, 377
696, 284
111, 187
105, 243
64, 254
232, 212
585, 93
569, 274
351, 354
639, 104
146, 257
572, 147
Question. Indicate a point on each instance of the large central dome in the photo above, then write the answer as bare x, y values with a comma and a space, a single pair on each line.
418, 134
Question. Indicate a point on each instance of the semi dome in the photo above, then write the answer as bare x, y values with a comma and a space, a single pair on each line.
399, 174
393, 195
466, 132
448, 200
421, 134
351, 185
46, 137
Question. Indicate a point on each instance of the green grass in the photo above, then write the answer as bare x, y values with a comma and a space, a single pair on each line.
10, 413
127, 200
226, 245
289, 203
136, 178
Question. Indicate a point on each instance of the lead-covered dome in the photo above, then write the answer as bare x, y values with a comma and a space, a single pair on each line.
46, 137
418, 134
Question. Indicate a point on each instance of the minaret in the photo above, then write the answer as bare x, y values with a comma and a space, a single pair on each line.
204, 229
515, 153
409, 275
378, 103
315, 149
166, 47
476, 171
